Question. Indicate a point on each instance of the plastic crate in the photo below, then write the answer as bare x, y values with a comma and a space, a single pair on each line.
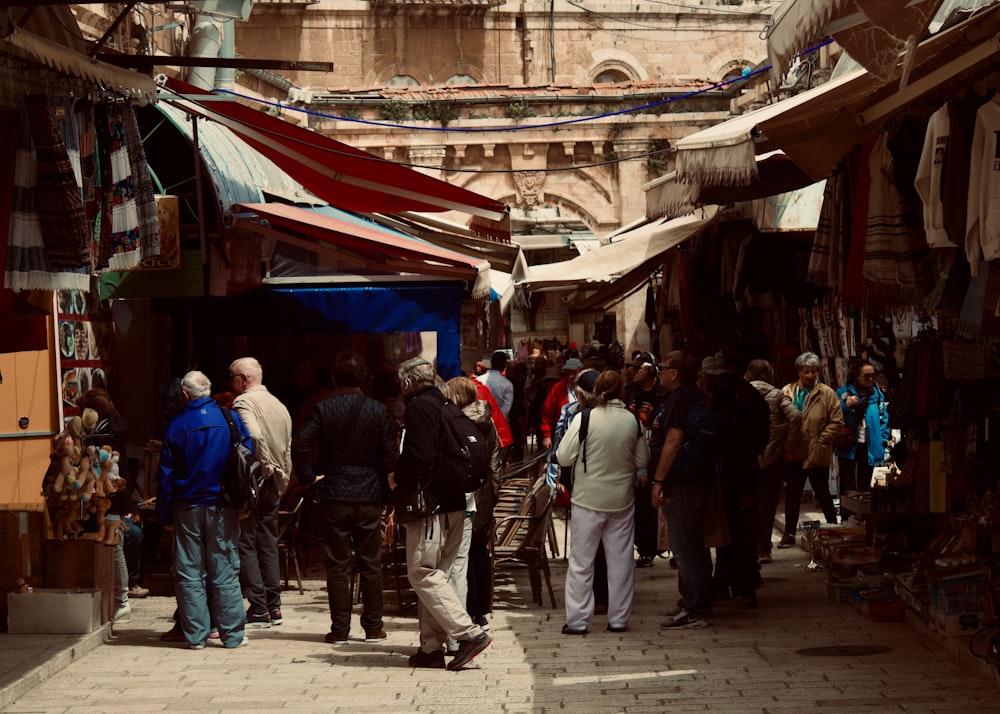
839, 591
887, 610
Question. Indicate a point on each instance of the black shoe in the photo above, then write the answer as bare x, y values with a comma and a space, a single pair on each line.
482, 621
643, 561
428, 660
787, 541
673, 563
275, 615
258, 620
468, 649
567, 630
623, 628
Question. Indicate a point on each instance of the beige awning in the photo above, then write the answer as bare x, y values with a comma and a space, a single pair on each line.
873, 32
775, 173
636, 250
816, 128
76, 64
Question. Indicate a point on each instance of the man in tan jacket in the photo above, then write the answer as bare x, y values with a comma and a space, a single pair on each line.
269, 423
812, 452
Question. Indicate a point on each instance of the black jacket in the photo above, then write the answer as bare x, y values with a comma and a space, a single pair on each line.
421, 443
356, 458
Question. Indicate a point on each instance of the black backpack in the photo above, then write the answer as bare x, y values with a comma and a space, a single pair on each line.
463, 460
699, 454
243, 476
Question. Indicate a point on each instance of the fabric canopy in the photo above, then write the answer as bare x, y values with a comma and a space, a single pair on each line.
365, 245
873, 32
339, 174
637, 250
816, 128
76, 64
775, 174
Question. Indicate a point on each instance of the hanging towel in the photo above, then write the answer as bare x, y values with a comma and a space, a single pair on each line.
145, 198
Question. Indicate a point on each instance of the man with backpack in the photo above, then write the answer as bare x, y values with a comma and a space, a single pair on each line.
682, 483
434, 532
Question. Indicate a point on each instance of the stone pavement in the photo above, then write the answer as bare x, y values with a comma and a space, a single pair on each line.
748, 661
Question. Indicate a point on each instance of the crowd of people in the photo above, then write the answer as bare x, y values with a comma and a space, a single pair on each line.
652, 457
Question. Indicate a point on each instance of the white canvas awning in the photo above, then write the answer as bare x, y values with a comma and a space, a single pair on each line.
816, 128
636, 250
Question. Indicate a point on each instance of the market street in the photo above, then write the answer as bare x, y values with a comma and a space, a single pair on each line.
748, 661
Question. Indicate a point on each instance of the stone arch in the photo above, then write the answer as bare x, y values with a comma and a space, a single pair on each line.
459, 68
731, 69
391, 71
615, 61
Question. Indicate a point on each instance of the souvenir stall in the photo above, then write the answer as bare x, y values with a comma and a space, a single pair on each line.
75, 199
899, 272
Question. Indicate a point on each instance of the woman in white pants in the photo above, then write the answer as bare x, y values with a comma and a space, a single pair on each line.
607, 464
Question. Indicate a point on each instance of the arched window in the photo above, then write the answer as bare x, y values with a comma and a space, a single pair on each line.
402, 80
611, 76
461, 79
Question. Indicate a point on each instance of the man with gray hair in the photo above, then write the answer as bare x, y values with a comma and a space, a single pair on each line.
270, 425
432, 542
196, 449
811, 453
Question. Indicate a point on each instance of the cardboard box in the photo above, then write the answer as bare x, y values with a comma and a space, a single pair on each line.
82, 563
54, 612
22, 547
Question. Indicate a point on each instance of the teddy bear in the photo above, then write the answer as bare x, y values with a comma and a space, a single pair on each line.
65, 525
86, 476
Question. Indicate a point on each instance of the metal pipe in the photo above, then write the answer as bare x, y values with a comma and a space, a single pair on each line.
205, 42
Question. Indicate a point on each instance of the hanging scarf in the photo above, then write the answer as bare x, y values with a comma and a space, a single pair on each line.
889, 258
63, 109
145, 198
57, 197
27, 264
119, 220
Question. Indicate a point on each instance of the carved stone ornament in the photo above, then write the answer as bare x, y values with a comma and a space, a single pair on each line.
529, 188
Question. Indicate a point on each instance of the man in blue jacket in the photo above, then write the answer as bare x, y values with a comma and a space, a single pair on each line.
195, 450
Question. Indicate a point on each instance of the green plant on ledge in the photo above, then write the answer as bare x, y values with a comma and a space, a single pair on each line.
394, 110
519, 110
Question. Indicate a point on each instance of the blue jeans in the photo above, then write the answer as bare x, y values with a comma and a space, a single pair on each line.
205, 552
132, 546
685, 513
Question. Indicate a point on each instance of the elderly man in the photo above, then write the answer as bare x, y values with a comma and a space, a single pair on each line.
196, 448
269, 423
562, 393
432, 542
812, 448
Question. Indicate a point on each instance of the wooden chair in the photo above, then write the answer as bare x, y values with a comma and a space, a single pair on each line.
290, 542
519, 540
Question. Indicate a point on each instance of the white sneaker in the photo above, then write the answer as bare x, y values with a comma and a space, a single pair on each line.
124, 612
243, 643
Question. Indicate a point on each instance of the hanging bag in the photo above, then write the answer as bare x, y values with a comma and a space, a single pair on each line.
243, 476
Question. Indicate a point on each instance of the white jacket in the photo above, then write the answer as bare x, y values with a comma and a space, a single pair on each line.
982, 237
269, 423
928, 179
616, 450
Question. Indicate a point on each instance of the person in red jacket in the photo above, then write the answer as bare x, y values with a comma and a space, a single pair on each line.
558, 396
503, 429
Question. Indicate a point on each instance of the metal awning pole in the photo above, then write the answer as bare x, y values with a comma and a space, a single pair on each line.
202, 235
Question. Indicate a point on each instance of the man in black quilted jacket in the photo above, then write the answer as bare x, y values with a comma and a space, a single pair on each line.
432, 541
357, 453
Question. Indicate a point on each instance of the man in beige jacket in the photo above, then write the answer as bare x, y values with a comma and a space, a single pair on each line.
822, 420
269, 423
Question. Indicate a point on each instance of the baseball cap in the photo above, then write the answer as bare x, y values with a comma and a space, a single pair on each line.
587, 380
715, 365
572, 364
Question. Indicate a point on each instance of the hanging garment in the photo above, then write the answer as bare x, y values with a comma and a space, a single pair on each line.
57, 196
982, 237
957, 164
853, 292
928, 181
119, 219
27, 264
145, 198
889, 256
64, 111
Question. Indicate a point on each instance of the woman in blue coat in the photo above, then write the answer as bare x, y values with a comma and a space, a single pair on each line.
867, 418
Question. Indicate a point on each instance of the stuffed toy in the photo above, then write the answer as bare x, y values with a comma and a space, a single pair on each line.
86, 479
110, 525
65, 525
90, 419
